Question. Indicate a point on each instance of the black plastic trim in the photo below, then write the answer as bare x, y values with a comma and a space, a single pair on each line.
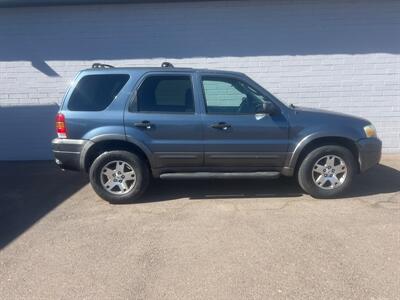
370, 151
67, 153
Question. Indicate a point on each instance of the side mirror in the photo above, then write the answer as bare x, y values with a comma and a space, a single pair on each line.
267, 108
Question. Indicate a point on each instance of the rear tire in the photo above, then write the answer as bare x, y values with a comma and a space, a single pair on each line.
327, 171
119, 176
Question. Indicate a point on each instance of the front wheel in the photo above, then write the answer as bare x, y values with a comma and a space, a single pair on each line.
327, 171
119, 176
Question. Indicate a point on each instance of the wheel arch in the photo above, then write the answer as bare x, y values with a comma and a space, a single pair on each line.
302, 150
104, 145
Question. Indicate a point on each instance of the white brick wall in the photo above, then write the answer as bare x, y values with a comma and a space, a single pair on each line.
338, 55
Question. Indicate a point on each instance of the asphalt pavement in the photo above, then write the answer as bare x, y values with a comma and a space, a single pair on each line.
198, 238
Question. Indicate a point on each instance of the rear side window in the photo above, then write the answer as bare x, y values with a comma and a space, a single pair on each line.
166, 93
96, 92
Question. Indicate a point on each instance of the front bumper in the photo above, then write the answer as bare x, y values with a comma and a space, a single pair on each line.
370, 151
67, 153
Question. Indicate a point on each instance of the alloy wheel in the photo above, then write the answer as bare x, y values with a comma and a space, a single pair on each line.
329, 172
118, 177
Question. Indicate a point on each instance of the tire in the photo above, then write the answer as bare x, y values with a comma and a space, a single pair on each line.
317, 177
118, 188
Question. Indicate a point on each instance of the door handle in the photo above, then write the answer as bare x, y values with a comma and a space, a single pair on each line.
143, 124
221, 125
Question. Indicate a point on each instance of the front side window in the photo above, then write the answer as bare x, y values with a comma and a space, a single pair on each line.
166, 93
96, 92
230, 96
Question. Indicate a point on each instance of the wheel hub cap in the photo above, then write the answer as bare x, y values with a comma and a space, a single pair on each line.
118, 177
329, 172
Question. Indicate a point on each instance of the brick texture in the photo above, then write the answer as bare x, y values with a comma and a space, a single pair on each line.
337, 55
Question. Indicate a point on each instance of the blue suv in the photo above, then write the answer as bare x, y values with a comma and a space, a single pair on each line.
126, 125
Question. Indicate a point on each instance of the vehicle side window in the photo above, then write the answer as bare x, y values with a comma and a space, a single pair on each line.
166, 93
96, 92
230, 96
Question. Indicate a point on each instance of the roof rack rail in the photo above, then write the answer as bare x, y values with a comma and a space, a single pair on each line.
167, 64
99, 66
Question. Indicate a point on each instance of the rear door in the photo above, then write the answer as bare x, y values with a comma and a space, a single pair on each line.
163, 117
236, 136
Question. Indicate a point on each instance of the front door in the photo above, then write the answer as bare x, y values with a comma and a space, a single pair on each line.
236, 136
163, 118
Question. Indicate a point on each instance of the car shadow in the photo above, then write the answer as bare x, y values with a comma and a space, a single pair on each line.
218, 188
378, 180
29, 191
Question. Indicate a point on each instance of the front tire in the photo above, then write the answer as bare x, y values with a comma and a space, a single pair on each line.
119, 176
327, 171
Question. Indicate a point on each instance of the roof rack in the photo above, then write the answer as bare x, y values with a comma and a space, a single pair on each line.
167, 64
99, 66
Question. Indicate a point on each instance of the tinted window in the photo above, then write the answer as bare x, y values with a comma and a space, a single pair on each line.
96, 92
229, 95
166, 93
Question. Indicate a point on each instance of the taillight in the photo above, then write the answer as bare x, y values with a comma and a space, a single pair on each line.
61, 127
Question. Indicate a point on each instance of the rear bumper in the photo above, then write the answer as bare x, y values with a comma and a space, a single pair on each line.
370, 151
67, 153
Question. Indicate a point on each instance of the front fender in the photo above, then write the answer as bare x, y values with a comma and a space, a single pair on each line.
349, 134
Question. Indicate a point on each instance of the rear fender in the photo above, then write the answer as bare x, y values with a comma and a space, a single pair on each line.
114, 137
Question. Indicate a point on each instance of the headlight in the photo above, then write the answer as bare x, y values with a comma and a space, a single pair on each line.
370, 131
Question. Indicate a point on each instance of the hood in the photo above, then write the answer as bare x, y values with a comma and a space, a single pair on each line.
310, 121
327, 114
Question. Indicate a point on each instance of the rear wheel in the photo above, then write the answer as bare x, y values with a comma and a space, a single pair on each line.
327, 171
119, 176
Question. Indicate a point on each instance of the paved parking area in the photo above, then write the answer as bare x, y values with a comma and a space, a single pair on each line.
198, 239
